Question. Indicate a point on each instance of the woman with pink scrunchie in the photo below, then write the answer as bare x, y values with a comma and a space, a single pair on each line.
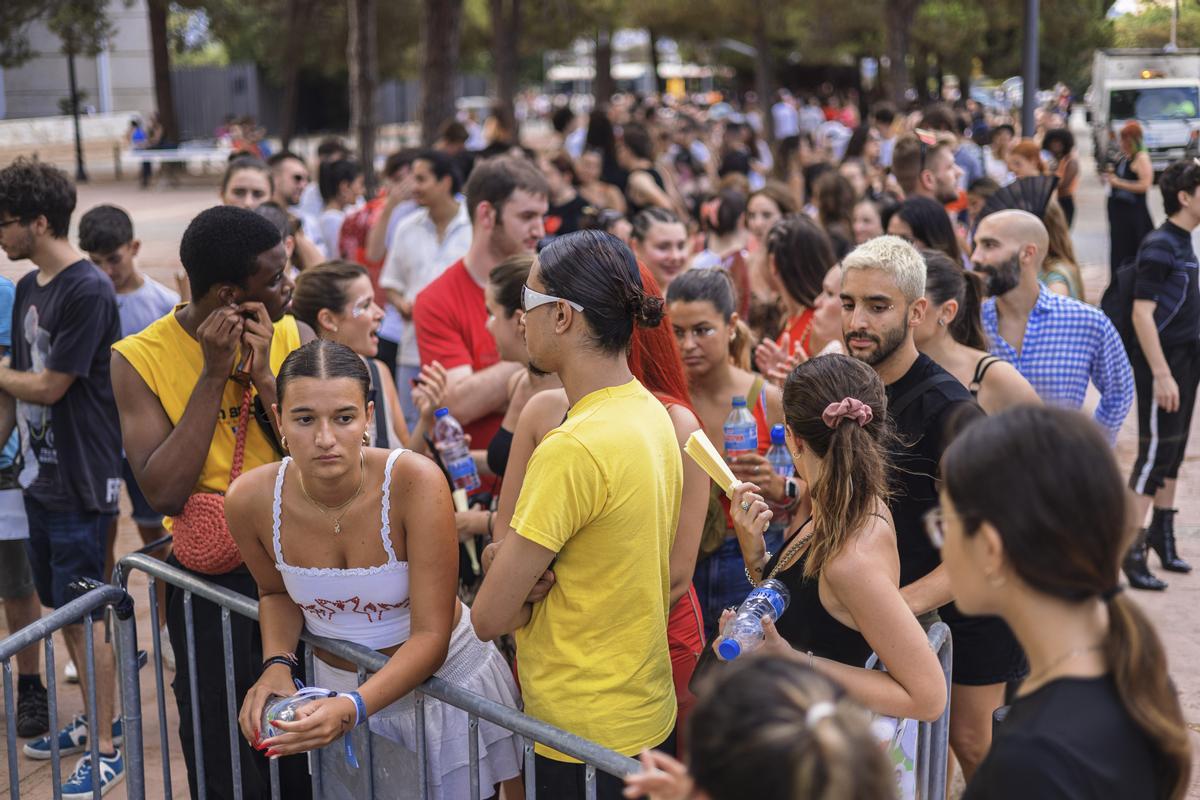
840, 561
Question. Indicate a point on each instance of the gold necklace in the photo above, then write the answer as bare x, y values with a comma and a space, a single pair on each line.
1033, 680
324, 509
791, 551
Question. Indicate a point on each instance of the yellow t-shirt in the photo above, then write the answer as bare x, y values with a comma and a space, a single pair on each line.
170, 362
603, 491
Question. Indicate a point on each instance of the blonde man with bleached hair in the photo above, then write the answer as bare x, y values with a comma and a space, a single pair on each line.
894, 256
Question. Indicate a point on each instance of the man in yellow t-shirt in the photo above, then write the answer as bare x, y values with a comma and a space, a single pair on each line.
180, 411
601, 501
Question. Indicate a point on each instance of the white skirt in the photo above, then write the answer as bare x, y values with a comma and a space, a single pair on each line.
470, 664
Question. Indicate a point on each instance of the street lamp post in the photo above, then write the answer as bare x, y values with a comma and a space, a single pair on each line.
1029, 69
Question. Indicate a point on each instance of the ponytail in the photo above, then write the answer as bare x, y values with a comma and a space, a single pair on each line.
967, 327
1134, 655
742, 345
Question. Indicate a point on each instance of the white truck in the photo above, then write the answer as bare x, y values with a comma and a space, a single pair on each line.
1158, 88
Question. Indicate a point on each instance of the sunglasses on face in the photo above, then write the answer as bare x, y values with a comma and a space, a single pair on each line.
531, 299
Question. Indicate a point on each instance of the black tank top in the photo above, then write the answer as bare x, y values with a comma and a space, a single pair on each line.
634, 208
806, 625
498, 449
981, 368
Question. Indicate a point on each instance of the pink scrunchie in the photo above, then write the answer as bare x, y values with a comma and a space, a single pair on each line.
849, 408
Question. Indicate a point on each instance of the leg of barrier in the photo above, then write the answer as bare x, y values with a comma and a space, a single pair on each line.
589, 782
163, 735
422, 775
235, 759
52, 703
369, 754
530, 772
473, 759
273, 768
194, 690
10, 705
125, 632
95, 724
314, 760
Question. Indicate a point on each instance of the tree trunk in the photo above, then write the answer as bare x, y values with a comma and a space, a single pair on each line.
506, 27
898, 19
658, 83
164, 98
80, 172
293, 23
764, 70
920, 75
364, 70
602, 82
442, 35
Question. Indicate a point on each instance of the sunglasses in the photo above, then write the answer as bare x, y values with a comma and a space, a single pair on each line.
531, 299
926, 139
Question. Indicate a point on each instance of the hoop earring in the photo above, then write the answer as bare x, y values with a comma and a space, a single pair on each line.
366, 439
283, 443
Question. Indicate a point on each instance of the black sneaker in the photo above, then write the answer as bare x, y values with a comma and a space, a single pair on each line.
33, 712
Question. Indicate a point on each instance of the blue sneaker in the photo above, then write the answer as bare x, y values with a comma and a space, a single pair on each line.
79, 785
71, 739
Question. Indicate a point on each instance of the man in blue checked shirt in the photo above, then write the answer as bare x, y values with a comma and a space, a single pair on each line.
1057, 343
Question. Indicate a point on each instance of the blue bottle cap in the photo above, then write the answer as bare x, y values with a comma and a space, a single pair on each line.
441, 412
739, 401
777, 436
729, 649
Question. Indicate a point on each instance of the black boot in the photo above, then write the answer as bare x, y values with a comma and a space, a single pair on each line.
1161, 537
1137, 570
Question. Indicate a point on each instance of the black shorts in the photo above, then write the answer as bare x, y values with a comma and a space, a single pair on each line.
985, 650
1163, 437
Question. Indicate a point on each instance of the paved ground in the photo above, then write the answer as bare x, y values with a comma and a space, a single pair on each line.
160, 218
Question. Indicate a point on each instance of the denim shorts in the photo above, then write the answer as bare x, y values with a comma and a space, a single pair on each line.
143, 514
720, 579
64, 546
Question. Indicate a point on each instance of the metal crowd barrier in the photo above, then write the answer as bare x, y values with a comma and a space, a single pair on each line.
128, 702
933, 738
591, 754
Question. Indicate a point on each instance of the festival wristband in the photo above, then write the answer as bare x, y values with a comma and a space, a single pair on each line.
287, 659
360, 716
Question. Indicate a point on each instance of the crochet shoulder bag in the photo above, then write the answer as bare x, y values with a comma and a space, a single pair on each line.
202, 542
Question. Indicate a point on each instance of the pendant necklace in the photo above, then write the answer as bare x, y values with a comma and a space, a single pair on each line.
343, 507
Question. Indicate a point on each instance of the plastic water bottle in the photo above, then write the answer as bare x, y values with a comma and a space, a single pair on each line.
778, 456
741, 431
743, 633
452, 448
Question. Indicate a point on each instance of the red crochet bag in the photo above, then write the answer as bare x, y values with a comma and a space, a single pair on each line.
201, 535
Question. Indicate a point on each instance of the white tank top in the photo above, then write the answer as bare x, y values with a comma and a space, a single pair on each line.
367, 606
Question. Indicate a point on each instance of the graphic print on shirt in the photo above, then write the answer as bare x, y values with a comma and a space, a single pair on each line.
325, 609
33, 419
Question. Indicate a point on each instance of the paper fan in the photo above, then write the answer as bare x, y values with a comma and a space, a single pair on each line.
1023, 194
704, 453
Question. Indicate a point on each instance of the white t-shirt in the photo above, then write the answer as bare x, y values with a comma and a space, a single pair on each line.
416, 258
330, 222
787, 120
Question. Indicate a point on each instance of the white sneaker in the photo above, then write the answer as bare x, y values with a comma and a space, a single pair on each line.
168, 652
71, 673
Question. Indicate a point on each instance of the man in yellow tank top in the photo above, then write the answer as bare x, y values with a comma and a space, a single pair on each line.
180, 403
601, 501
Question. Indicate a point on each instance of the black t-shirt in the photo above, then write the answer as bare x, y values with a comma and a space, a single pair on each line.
1069, 740
1167, 273
72, 450
566, 217
920, 427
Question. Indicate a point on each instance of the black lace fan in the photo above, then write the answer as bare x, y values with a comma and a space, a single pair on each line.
1024, 194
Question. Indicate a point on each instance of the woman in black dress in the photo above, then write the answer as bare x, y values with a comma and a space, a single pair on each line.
1098, 716
840, 563
1128, 216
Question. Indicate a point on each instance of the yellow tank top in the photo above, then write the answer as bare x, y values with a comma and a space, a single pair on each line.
170, 362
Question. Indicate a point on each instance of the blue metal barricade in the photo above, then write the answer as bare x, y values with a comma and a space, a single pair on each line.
128, 702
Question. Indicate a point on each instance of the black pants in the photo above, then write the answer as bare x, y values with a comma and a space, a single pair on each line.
559, 780
1068, 206
294, 780
1163, 437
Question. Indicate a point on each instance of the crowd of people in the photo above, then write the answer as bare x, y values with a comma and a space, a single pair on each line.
894, 301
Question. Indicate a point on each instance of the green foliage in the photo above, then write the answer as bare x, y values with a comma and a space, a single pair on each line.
82, 27
1151, 27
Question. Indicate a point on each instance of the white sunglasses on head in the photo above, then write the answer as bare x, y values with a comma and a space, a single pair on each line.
531, 299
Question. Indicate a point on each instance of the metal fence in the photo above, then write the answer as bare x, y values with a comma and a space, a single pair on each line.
129, 700
477, 707
933, 738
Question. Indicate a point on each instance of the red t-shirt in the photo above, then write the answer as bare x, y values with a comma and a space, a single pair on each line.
799, 331
451, 323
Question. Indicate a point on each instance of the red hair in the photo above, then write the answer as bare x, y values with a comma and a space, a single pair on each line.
1029, 150
654, 355
1132, 131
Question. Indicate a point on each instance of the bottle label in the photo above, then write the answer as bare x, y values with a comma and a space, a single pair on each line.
771, 596
461, 468
741, 439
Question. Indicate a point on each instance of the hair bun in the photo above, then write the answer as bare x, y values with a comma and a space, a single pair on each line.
648, 310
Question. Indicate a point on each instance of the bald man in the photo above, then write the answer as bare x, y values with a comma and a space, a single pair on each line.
1058, 344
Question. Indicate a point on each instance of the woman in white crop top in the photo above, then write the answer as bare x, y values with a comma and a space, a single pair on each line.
359, 544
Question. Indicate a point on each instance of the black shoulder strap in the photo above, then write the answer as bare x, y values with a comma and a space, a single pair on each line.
981, 368
905, 400
379, 395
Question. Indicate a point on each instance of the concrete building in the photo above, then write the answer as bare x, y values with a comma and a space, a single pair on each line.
119, 81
